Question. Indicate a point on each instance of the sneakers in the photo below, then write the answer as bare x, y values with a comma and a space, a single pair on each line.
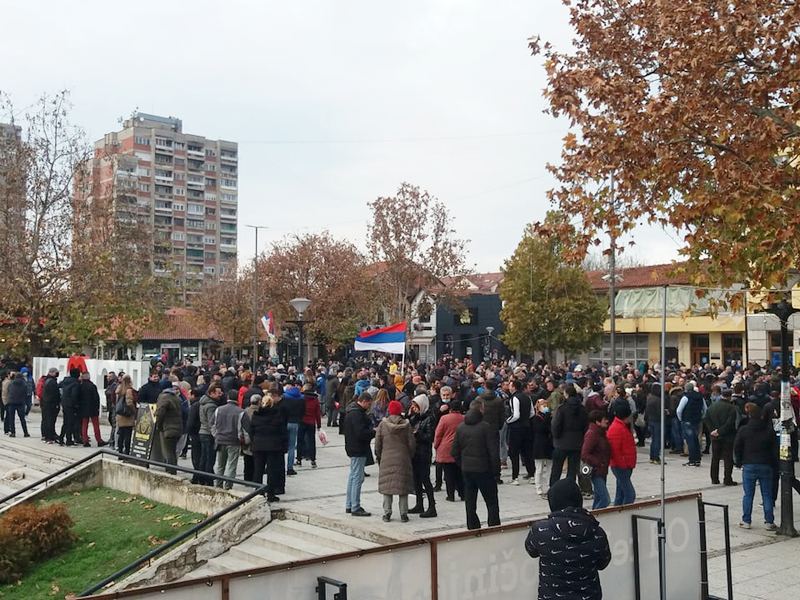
730, 483
313, 464
691, 464
360, 512
770, 526
514, 482
387, 518
744, 525
291, 472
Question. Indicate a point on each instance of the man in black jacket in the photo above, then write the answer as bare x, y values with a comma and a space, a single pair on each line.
71, 426
721, 422
570, 545
149, 392
358, 433
476, 451
51, 404
569, 425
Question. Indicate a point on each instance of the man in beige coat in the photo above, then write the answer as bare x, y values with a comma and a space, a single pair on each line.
394, 448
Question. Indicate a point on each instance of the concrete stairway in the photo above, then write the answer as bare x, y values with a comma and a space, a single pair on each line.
34, 462
282, 541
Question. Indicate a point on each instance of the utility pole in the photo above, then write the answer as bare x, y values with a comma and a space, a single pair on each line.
255, 297
612, 285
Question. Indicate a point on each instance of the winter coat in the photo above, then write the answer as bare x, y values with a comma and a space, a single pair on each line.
293, 405
572, 548
69, 393
756, 444
226, 422
652, 408
313, 414
193, 421
444, 436
169, 420
149, 392
17, 393
394, 447
123, 421
88, 399
596, 450
542, 435
475, 446
569, 424
722, 416
623, 446
424, 427
494, 410
596, 402
207, 408
51, 394
268, 432
358, 431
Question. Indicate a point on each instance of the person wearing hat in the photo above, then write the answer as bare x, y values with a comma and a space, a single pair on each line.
623, 453
423, 424
721, 422
394, 450
571, 547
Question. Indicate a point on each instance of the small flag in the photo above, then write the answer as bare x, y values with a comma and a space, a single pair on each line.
269, 324
385, 339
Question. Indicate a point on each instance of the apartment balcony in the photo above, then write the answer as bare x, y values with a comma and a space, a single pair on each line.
196, 153
162, 147
229, 157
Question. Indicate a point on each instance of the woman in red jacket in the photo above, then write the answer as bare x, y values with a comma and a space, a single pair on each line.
623, 453
443, 443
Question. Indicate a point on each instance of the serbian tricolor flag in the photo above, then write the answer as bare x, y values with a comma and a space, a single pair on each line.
386, 339
269, 324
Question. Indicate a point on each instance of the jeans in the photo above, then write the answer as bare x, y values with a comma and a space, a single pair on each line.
227, 460
763, 475
292, 428
600, 489
308, 435
196, 450
573, 458
124, 435
486, 483
542, 475
402, 504
655, 441
677, 436
690, 433
354, 481
207, 457
625, 493
504, 443
12, 411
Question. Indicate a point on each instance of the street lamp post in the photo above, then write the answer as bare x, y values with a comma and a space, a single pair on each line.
490, 331
300, 305
783, 310
255, 297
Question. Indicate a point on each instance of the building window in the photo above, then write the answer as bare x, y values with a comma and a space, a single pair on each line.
178, 236
196, 209
177, 221
210, 197
180, 192
209, 239
142, 141
194, 224
630, 347
209, 270
144, 187
211, 225
143, 172
732, 346
228, 183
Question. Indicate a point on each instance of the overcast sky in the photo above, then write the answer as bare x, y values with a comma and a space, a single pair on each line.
333, 103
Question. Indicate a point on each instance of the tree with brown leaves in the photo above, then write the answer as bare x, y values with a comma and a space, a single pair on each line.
693, 107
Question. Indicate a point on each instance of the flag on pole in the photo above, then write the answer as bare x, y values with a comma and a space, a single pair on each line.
385, 339
269, 324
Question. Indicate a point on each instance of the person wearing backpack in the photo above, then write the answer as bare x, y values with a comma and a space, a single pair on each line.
125, 410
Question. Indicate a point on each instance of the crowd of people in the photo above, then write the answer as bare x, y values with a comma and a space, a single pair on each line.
450, 425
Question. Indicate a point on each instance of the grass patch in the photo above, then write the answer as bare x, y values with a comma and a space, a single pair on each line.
113, 530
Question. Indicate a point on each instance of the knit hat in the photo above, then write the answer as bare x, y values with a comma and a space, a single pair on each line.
395, 408
563, 494
621, 409
422, 402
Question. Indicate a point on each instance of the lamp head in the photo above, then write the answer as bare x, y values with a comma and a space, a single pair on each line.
300, 305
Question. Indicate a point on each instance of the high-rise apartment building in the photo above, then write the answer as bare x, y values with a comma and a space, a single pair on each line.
180, 189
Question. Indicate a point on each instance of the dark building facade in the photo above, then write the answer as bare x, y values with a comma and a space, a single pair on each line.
463, 332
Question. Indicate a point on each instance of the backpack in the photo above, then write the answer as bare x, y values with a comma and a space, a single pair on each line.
40, 387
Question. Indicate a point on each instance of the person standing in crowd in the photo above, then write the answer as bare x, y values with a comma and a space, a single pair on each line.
569, 424
394, 449
654, 418
623, 452
676, 429
331, 396
149, 392
169, 426
89, 409
423, 426
247, 446
520, 434
476, 451
226, 427
720, 420
571, 547
112, 381
494, 411
542, 445
71, 425
17, 399
596, 452
193, 433
293, 405
51, 405
691, 410
125, 422
358, 433
310, 424
755, 449
443, 444
269, 438
208, 404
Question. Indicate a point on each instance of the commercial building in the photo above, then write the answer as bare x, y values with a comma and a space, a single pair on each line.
179, 189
